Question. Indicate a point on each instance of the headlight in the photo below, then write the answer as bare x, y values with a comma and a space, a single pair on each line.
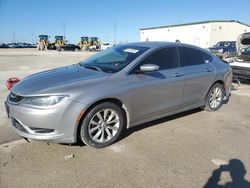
42, 102
220, 50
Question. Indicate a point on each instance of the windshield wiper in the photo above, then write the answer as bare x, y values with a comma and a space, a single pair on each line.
93, 68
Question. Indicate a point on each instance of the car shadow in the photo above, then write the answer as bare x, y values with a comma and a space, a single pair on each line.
128, 132
237, 172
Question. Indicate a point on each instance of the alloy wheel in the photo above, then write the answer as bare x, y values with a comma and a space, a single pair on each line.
104, 125
215, 98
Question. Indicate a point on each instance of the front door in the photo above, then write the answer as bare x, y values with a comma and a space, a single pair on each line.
156, 93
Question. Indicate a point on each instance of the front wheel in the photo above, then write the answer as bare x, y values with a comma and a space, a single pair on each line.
215, 97
102, 125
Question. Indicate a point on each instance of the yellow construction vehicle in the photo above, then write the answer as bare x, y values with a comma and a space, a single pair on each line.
94, 44
84, 43
59, 41
43, 42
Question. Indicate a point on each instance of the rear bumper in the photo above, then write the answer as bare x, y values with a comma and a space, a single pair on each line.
228, 82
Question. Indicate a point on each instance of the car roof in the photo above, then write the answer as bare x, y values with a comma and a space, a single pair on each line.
151, 44
155, 45
227, 41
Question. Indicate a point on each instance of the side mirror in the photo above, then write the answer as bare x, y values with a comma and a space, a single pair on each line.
149, 68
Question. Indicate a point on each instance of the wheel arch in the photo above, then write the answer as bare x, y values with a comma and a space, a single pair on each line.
219, 81
116, 101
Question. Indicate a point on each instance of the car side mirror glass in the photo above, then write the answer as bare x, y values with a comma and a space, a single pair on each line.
149, 68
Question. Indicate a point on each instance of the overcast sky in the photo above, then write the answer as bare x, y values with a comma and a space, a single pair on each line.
26, 19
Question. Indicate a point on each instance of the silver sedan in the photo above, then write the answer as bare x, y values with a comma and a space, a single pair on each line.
124, 86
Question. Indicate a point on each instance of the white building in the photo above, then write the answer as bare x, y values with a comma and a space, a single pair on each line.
202, 34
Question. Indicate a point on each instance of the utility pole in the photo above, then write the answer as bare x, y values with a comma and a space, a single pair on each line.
32, 35
64, 30
115, 30
14, 38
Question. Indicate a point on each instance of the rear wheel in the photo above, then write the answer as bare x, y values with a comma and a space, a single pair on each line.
215, 97
102, 125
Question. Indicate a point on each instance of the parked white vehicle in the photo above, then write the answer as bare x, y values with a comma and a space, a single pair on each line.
105, 45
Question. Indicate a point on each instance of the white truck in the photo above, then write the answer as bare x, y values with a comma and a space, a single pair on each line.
241, 65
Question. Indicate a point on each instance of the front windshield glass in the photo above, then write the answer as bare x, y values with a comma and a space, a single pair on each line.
245, 51
114, 59
225, 44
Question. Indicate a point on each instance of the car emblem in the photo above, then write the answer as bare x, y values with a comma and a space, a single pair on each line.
12, 95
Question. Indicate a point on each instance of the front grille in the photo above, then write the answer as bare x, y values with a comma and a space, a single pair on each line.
17, 125
13, 98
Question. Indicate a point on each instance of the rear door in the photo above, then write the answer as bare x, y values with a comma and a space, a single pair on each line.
199, 74
158, 92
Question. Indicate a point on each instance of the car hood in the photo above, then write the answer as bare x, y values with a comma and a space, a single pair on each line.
58, 81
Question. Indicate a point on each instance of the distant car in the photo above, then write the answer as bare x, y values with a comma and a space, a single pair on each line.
121, 87
14, 45
105, 45
3, 45
69, 47
25, 45
224, 49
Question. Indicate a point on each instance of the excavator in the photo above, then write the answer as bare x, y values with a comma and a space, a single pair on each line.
43, 42
84, 43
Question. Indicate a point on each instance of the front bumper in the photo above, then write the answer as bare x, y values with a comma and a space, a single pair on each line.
58, 125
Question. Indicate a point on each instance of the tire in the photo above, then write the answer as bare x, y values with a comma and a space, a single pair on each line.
97, 133
214, 99
76, 49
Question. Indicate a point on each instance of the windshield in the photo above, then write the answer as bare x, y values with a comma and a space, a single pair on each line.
245, 51
114, 59
84, 39
225, 44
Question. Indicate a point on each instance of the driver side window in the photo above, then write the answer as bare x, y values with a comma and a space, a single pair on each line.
166, 58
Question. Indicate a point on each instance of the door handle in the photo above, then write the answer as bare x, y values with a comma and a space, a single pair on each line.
209, 70
178, 74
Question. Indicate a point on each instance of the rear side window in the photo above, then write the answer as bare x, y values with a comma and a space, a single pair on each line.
208, 58
191, 56
166, 58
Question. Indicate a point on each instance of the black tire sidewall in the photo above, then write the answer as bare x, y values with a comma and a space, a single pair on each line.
83, 133
208, 106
